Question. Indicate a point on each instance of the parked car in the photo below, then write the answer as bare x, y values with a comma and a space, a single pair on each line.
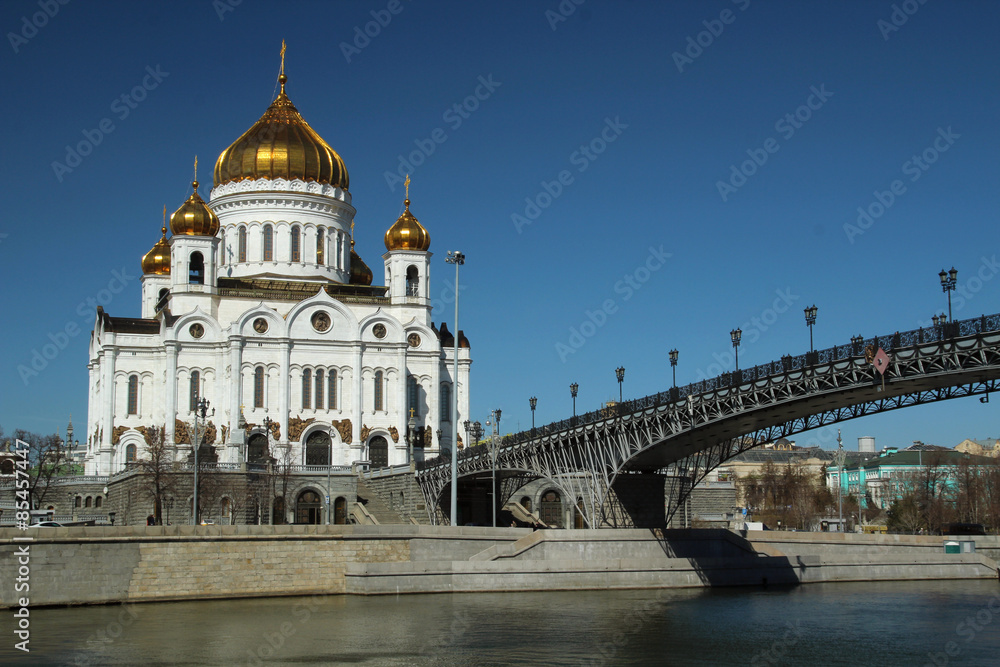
46, 524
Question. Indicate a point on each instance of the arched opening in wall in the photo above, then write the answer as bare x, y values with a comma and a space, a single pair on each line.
296, 241
526, 503
306, 389
412, 281
78, 502
257, 448
88, 502
378, 452
332, 394
318, 449
412, 396
258, 387
133, 394
98, 502
278, 517
378, 387
196, 269
193, 390
268, 243
320, 247
578, 521
242, 251
551, 509
445, 403
7, 467
308, 508
161, 299
340, 511
226, 512
319, 388
130, 454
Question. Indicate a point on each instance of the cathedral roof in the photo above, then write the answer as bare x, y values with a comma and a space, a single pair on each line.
361, 274
194, 217
157, 260
407, 233
281, 145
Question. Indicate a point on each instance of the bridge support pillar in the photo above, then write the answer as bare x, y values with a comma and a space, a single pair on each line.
635, 501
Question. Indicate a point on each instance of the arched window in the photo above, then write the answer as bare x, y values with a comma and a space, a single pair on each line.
320, 247
412, 281
306, 389
412, 396
268, 243
130, 454
550, 509
78, 502
98, 502
526, 503
296, 240
161, 298
318, 449
243, 244
226, 512
222, 246
332, 393
340, 511
133, 395
88, 501
340, 248
193, 390
378, 390
196, 269
445, 402
319, 388
258, 387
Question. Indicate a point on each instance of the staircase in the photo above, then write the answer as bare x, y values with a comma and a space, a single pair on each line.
376, 508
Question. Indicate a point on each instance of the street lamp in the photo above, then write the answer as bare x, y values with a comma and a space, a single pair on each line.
573, 388
948, 282
533, 402
411, 435
458, 259
673, 365
841, 454
200, 410
810, 321
620, 374
494, 446
735, 335
468, 436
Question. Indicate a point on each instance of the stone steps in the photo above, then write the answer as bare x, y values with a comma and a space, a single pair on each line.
377, 507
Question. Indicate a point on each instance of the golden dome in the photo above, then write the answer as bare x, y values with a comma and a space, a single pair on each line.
360, 273
194, 217
157, 260
407, 233
281, 145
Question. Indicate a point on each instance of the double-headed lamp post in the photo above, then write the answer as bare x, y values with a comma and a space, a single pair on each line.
573, 388
673, 365
200, 410
810, 321
494, 446
948, 282
736, 335
458, 259
620, 374
533, 402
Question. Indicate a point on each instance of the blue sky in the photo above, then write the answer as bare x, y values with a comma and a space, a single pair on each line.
617, 120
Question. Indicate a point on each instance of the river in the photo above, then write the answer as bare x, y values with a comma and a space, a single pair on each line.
894, 623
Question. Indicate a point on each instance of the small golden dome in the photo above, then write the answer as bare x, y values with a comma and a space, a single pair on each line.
194, 217
407, 233
360, 273
157, 260
281, 145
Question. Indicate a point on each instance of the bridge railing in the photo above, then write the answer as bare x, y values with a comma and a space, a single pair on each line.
934, 334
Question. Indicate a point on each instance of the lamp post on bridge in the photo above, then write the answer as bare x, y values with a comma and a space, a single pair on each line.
573, 388
810, 321
533, 402
200, 410
673, 365
948, 282
736, 335
458, 259
620, 374
494, 446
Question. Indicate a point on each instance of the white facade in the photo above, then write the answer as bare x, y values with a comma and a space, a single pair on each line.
273, 328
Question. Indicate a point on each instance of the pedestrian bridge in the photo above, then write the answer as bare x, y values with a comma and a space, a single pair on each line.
604, 458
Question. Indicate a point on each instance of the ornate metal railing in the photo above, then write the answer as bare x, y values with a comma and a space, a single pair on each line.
788, 363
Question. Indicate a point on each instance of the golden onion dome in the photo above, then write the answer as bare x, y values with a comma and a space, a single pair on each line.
157, 260
281, 145
194, 217
407, 233
361, 274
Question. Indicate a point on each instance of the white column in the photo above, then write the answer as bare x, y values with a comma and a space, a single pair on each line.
170, 411
108, 403
235, 381
402, 412
284, 393
358, 398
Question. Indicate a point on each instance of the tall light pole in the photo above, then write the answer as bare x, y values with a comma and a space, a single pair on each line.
533, 402
495, 442
840, 484
810, 321
673, 365
200, 409
948, 282
458, 259
573, 388
329, 465
620, 374
736, 335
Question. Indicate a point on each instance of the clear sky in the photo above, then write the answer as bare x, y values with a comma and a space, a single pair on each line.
649, 175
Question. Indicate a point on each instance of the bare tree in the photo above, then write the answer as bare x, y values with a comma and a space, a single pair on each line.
281, 471
159, 472
48, 459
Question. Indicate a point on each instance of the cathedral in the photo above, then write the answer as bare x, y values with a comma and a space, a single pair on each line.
258, 303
